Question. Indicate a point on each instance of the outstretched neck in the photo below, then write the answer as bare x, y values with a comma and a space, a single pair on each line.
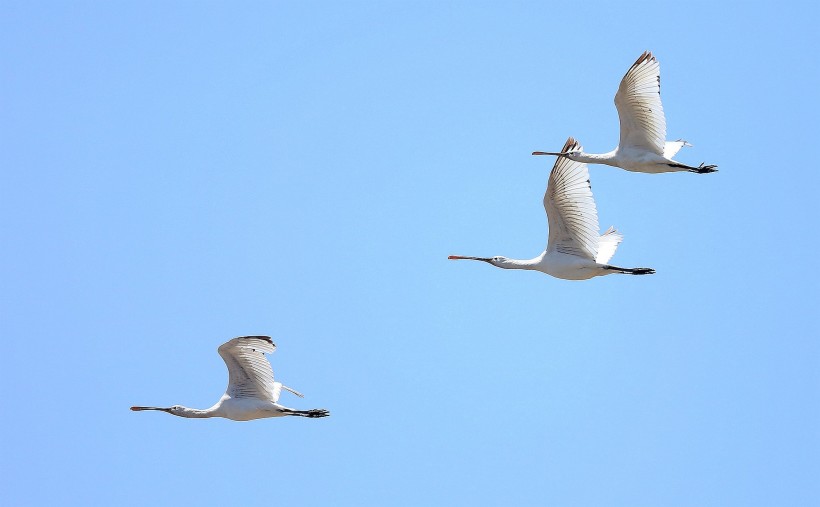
607, 158
195, 413
517, 263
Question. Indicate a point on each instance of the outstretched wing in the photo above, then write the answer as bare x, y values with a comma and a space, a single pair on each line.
638, 100
249, 373
571, 212
672, 147
277, 391
607, 244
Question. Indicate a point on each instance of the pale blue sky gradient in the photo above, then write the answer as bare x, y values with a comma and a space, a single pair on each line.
175, 174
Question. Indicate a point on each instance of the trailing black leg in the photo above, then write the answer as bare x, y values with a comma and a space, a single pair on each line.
632, 271
641, 271
316, 412
701, 169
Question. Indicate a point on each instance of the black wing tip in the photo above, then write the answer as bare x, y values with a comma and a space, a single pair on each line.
571, 145
646, 56
258, 337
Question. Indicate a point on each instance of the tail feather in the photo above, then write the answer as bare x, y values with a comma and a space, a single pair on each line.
607, 244
276, 391
672, 147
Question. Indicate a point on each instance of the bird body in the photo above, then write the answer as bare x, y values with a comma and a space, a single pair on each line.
557, 264
252, 392
246, 409
632, 159
643, 146
574, 250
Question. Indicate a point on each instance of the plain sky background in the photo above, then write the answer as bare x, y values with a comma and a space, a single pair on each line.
175, 174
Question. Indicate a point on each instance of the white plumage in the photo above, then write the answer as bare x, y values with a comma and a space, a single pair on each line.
643, 146
252, 392
249, 372
575, 250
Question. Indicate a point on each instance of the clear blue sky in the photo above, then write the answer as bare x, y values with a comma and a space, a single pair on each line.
175, 174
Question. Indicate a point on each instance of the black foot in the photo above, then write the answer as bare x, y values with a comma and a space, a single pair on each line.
632, 271
317, 412
703, 169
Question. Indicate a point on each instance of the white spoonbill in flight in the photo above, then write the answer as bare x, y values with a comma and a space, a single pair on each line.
643, 147
251, 393
574, 249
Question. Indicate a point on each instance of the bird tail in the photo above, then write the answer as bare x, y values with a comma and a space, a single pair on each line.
672, 147
276, 392
607, 244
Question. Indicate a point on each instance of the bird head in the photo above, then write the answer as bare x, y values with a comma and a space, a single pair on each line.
572, 155
497, 261
177, 410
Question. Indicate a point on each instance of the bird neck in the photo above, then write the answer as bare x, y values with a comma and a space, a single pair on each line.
596, 158
518, 263
195, 413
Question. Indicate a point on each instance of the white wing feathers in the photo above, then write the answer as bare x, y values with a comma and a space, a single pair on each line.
672, 147
286, 388
277, 391
571, 212
249, 373
638, 100
607, 244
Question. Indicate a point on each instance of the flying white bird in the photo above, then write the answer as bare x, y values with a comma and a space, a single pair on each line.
574, 249
643, 147
251, 393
